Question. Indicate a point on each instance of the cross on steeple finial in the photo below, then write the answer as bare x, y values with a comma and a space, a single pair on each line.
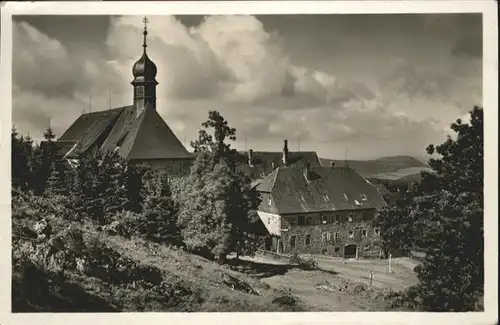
145, 21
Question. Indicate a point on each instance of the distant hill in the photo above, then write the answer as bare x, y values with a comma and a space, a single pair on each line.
386, 167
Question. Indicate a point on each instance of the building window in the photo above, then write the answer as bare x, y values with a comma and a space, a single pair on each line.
357, 203
336, 236
308, 240
336, 249
268, 221
351, 234
364, 197
325, 237
301, 220
293, 221
366, 216
363, 232
293, 240
326, 198
140, 91
310, 221
376, 231
269, 201
324, 219
349, 217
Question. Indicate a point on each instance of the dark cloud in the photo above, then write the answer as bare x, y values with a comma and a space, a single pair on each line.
470, 46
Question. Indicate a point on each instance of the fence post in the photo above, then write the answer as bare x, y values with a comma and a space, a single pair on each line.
390, 262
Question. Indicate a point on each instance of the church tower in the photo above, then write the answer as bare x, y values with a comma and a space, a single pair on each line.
144, 71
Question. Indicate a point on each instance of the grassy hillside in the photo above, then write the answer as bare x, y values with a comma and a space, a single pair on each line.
95, 270
383, 168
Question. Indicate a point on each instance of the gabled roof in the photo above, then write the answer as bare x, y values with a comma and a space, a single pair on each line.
120, 129
262, 161
89, 121
146, 136
89, 128
62, 146
326, 189
150, 137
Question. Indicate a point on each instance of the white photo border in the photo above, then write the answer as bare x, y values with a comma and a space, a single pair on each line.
490, 102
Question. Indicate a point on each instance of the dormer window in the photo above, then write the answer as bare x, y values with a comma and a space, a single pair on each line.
364, 197
351, 234
357, 202
345, 197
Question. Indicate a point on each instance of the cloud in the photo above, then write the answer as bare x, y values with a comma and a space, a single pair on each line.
462, 32
233, 65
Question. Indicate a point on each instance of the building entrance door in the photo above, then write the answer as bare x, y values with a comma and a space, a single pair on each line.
350, 251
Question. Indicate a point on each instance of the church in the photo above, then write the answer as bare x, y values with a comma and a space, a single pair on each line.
137, 132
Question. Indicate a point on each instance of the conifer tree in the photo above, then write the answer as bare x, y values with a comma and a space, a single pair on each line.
43, 156
159, 210
56, 182
21, 155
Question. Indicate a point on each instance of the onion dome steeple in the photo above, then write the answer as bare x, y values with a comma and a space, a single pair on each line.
144, 71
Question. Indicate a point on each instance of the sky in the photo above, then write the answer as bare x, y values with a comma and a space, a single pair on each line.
347, 86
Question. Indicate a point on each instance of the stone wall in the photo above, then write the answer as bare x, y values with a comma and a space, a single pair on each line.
329, 233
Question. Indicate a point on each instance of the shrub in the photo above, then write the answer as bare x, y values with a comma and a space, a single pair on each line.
305, 264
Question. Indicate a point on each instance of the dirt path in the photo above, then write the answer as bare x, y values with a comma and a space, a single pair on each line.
304, 284
401, 277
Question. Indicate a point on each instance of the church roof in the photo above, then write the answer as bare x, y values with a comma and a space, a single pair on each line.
150, 137
90, 129
89, 121
144, 137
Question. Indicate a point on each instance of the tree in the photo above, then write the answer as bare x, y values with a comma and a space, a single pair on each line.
217, 205
396, 226
446, 217
105, 184
56, 184
215, 143
43, 157
159, 214
22, 151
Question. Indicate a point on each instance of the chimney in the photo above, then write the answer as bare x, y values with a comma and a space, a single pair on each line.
285, 152
307, 171
250, 157
332, 164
